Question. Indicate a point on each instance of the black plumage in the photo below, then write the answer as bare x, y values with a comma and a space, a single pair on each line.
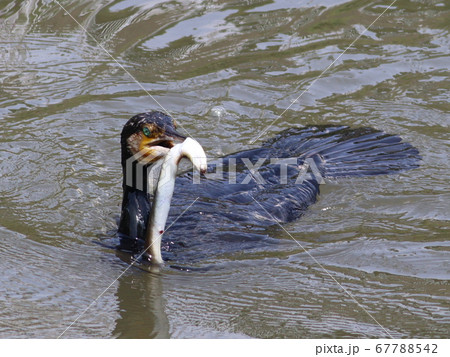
233, 211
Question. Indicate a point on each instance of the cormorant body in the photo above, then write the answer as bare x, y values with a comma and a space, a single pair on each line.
233, 212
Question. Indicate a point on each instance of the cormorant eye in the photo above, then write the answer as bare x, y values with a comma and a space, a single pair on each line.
146, 131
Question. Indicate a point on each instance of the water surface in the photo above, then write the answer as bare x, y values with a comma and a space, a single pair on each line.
225, 70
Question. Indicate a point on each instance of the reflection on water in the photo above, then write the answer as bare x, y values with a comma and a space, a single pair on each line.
141, 306
63, 102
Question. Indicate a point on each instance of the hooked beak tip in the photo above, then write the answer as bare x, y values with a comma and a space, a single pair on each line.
176, 137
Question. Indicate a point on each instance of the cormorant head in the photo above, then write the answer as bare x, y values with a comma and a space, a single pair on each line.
148, 137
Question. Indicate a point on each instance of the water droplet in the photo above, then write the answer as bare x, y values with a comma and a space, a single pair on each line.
218, 111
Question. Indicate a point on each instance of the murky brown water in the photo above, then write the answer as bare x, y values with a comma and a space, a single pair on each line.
63, 102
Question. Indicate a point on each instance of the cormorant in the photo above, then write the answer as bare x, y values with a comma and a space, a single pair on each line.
250, 190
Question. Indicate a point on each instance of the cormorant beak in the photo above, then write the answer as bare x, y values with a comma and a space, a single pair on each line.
169, 139
153, 148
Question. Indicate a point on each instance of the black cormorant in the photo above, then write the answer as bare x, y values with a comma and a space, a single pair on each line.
251, 189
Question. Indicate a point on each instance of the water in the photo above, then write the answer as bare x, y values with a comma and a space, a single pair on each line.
225, 71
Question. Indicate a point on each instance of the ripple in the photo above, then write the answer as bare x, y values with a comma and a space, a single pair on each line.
63, 102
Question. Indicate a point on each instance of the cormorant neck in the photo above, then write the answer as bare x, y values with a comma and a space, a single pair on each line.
133, 218
139, 182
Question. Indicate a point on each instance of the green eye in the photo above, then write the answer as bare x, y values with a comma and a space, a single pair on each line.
146, 131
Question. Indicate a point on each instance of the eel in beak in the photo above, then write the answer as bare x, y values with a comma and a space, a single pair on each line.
190, 149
